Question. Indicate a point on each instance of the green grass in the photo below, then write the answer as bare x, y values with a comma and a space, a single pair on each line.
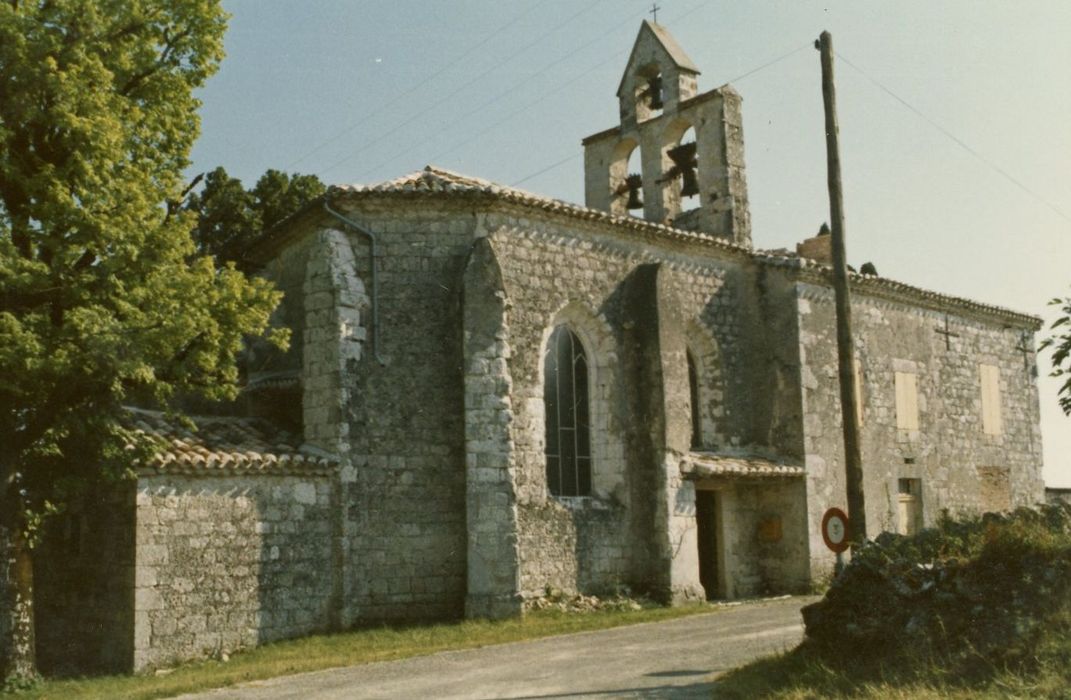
345, 649
996, 622
803, 674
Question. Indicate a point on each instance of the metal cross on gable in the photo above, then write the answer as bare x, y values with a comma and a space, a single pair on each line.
949, 335
654, 12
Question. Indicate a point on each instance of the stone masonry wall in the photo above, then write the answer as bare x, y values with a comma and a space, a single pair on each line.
554, 274
404, 485
227, 562
950, 451
490, 492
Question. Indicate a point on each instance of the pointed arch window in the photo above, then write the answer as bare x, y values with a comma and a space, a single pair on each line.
693, 393
565, 397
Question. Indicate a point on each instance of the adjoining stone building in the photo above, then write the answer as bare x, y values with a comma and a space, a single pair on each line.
506, 394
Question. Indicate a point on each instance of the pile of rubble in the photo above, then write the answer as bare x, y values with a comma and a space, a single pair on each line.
554, 599
982, 587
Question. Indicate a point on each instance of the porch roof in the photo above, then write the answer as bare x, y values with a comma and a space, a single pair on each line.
707, 465
226, 445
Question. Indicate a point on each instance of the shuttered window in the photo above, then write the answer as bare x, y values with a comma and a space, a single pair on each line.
907, 402
989, 376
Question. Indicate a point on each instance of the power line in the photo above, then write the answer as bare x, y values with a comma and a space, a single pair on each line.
537, 173
453, 93
764, 66
416, 87
508, 91
958, 141
736, 79
562, 86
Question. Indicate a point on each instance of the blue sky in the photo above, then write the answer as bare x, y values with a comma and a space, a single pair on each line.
368, 90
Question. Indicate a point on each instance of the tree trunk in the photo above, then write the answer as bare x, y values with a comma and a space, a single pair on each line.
17, 658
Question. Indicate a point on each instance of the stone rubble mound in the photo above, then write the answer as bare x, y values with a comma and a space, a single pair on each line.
556, 600
984, 587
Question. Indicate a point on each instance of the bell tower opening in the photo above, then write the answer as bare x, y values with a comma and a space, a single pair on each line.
691, 173
649, 92
686, 164
626, 180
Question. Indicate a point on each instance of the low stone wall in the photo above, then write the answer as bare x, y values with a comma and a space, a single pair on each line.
226, 562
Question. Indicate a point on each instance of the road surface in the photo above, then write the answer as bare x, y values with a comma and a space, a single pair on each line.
675, 659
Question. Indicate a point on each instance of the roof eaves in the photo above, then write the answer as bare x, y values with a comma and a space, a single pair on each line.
882, 287
463, 186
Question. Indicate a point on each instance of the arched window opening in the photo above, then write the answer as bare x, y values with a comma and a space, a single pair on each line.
693, 393
650, 92
634, 184
565, 397
626, 179
686, 163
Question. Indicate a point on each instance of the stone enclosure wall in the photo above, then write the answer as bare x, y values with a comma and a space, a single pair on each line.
227, 562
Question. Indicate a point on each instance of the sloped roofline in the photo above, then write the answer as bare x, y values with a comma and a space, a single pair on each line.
222, 445
673, 49
435, 182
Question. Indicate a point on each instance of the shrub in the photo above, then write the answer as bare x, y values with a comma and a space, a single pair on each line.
969, 594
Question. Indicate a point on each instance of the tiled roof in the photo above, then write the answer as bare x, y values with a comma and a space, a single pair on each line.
821, 273
702, 465
672, 47
434, 181
226, 445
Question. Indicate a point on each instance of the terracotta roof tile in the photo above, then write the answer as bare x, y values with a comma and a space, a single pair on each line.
226, 445
435, 181
701, 465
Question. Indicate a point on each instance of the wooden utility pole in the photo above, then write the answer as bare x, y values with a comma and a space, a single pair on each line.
849, 392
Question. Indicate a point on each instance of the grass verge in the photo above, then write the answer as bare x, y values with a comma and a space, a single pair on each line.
976, 607
346, 649
804, 674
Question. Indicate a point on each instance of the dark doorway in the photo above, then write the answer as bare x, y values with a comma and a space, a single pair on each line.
706, 520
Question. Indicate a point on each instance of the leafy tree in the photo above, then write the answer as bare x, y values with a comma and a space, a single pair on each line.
230, 218
103, 299
1060, 343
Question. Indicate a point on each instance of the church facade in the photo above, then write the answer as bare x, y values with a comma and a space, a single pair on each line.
499, 395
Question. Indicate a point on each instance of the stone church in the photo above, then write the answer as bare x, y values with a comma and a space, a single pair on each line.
491, 395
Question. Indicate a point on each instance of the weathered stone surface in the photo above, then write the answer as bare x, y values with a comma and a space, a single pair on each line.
246, 560
420, 371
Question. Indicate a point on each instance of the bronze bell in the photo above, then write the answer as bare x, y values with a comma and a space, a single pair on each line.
635, 185
654, 91
689, 183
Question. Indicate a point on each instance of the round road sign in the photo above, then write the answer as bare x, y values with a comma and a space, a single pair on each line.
835, 529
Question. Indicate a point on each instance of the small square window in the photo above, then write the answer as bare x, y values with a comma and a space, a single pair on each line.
909, 486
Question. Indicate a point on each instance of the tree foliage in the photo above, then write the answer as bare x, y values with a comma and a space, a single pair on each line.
1059, 342
230, 218
103, 297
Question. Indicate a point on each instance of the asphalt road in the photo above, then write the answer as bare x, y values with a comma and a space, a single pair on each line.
676, 659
